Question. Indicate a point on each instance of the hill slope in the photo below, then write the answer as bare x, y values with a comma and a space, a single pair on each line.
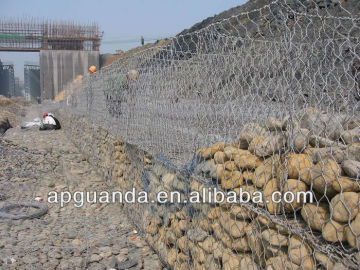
310, 6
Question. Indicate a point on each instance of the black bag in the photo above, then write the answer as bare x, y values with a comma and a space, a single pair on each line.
58, 126
47, 127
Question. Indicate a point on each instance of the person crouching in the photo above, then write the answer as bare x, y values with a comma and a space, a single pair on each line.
49, 122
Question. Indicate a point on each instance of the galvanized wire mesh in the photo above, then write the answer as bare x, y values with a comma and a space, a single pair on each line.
266, 100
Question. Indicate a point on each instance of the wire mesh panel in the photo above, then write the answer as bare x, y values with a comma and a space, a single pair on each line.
263, 107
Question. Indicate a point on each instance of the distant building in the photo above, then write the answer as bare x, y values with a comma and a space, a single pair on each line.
32, 81
7, 79
1, 74
18, 87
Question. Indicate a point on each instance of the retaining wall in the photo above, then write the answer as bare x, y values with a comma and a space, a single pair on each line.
319, 235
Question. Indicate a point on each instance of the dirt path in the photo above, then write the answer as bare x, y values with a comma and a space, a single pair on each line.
95, 236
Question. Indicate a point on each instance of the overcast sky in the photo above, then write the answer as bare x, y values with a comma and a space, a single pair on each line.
123, 21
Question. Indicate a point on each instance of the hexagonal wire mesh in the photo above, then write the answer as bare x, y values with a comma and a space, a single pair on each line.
265, 100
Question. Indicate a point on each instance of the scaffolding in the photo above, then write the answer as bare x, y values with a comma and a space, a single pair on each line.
31, 35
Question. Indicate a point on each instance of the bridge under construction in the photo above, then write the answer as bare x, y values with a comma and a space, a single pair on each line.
67, 49
35, 36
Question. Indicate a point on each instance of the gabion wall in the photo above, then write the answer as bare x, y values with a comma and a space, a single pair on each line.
264, 101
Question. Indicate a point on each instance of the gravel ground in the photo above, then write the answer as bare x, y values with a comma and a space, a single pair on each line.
95, 236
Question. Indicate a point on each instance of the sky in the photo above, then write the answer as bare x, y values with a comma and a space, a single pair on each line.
122, 21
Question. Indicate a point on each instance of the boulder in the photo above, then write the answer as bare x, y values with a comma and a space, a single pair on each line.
198, 266
349, 121
170, 237
304, 115
247, 160
324, 125
265, 171
206, 225
152, 228
208, 244
197, 234
196, 185
252, 191
240, 212
214, 213
171, 256
294, 186
324, 260
354, 151
280, 263
248, 176
183, 260
231, 166
323, 175
322, 154
273, 251
167, 180
352, 233
248, 263
176, 228
344, 184
273, 124
299, 140
218, 250
351, 168
255, 142
240, 244
230, 260
4, 125
300, 253
220, 157
298, 165
334, 232
248, 132
205, 153
274, 238
287, 122
209, 152
271, 186
270, 146
219, 146
181, 266
221, 235
344, 206
351, 136
182, 244
320, 142
253, 235
211, 263
340, 266
218, 171
265, 222
235, 228
232, 180
231, 152
198, 254
316, 216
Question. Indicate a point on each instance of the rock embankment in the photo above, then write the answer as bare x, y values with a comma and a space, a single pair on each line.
316, 153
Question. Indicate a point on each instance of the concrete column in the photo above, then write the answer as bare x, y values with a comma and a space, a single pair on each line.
59, 67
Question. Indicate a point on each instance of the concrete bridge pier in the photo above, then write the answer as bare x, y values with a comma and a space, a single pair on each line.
59, 67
